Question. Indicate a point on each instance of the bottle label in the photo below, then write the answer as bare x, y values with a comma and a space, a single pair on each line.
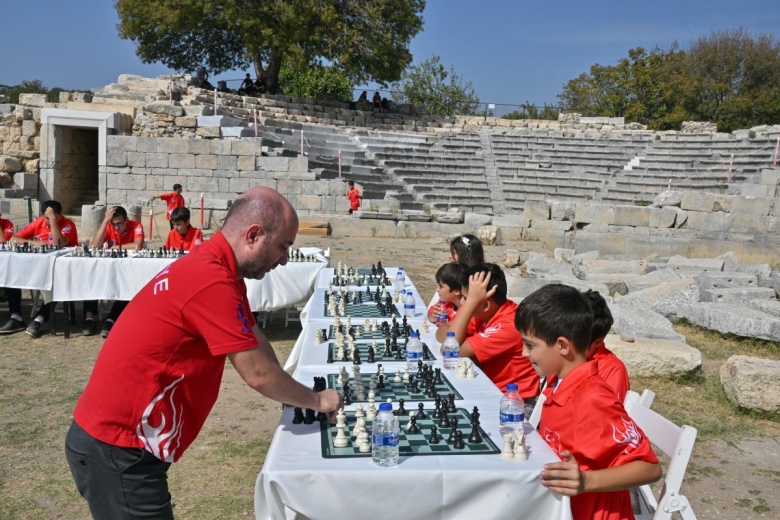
409, 307
451, 354
506, 417
389, 439
412, 355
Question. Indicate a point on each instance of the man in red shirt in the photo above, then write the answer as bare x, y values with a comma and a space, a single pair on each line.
611, 369
496, 346
353, 194
115, 231
173, 199
183, 235
158, 375
52, 228
604, 452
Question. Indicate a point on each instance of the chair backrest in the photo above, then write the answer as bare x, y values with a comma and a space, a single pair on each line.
676, 442
536, 415
646, 398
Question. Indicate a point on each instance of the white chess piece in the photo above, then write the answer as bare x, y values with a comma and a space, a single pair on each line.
365, 446
397, 378
359, 411
508, 450
374, 326
470, 370
406, 375
341, 440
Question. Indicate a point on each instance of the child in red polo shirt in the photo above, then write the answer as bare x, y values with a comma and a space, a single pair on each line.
448, 287
173, 199
6, 230
604, 452
354, 196
183, 235
611, 368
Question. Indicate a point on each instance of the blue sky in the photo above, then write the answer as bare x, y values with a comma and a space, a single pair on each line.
512, 51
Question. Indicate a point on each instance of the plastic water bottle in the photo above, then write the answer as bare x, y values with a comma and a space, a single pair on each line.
400, 279
512, 407
409, 305
443, 317
451, 351
414, 351
385, 432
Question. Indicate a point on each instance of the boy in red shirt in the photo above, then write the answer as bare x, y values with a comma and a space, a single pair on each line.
493, 342
183, 235
604, 452
116, 230
173, 199
448, 287
353, 194
6, 230
611, 368
51, 228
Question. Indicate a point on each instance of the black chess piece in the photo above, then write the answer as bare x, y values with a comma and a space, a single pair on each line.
388, 353
297, 415
322, 417
310, 417
344, 356
454, 426
437, 378
181, 251
419, 365
475, 414
347, 395
434, 438
444, 420
401, 410
451, 403
458, 444
437, 408
356, 357
475, 437
379, 369
421, 411
324, 334
412, 428
373, 269
381, 383
404, 323
330, 355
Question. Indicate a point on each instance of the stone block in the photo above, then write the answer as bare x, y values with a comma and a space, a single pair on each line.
349, 226
562, 210
208, 132
536, 210
694, 266
298, 164
247, 147
227, 162
509, 221
588, 267
544, 267
634, 216
136, 159
32, 100
762, 272
238, 185
245, 162
662, 217
181, 160
651, 357
756, 190
490, 235
207, 161
146, 144
476, 220
295, 176
29, 128
315, 188
511, 258
770, 176
171, 145
448, 218
563, 255
715, 280
771, 307
737, 294
308, 202
10, 164
199, 146
665, 299
551, 225
640, 322
521, 287
116, 158
186, 121
201, 184
705, 202
221, 146
606, 243
589, 213
751, 382
268, 183
728, 318
289, 187
273, 164
668, 198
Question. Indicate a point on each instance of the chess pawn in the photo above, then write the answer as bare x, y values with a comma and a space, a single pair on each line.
374, 326
520, 452
359, 411
360, 426
508, 450
470, 370
367, 324
365, 445
406, 375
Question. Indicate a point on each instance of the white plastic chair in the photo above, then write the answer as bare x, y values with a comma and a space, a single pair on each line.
645, 399
677, 443
536, 415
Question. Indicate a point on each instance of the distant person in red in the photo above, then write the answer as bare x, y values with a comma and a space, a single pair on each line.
116, 230
7, 228
183, 235
173, 199
354, 196
52, 228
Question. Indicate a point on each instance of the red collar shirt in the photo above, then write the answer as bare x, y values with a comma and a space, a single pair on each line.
159, 372
499, 349
612, 371
133, 231
174, 201
7, 228
583, 415
194, 237
354, 198
39, 230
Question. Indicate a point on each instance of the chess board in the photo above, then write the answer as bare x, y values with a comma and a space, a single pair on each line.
411, 444
364, 310
369, 335
397, 391
379, 356
371, 281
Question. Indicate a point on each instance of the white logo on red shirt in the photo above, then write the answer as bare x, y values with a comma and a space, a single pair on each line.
553, 440
490, 330
162, 441
629, 435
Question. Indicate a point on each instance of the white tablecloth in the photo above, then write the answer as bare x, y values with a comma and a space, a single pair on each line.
28, 270
296, 482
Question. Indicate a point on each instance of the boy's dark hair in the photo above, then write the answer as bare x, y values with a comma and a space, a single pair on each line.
556, 311
451, 274
350, 183
120, 212
176, 186
180, 214
53, 204
602, 317
497, 279
469, 250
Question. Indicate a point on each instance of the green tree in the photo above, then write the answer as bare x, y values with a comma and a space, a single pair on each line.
529, 111
426, 85
367, 40
34, 86
315, 81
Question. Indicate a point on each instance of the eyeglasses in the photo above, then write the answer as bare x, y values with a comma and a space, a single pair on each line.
117, 224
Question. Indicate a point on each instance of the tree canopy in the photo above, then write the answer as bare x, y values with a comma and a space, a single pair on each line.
315, 81
366, 40
728, 77
426, 85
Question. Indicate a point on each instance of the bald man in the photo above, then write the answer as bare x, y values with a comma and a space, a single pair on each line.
158, 374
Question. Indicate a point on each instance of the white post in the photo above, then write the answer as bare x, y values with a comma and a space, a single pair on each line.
301, 142
777, 148
339, 164
215, 102
254, 110
731, 164
670, 184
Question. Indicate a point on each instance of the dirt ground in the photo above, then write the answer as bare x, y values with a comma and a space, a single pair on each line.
724, 480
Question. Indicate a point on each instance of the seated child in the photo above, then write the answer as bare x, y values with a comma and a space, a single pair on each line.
604, 452
493, 343
183, 235
611, 369
448, 288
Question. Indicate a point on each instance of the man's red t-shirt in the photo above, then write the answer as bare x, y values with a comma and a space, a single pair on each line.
354, 198
193, 237
174, 201
7, 227
39, 230
583, 415
133, 231
499, 349
159, 372
612, 371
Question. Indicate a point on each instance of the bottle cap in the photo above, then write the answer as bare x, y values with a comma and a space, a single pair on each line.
512, 387
385, 407
415, 335
452, 335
